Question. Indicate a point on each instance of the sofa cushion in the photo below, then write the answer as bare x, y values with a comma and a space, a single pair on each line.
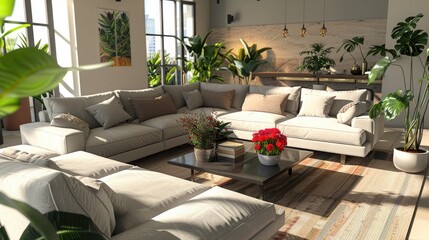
47, 190
176, 91
122, 138
322, 129
293, 98
351, 110
240, 91
252, 121
32, 150
218, 99
193, 99
125, 95
207, 110
86, 164
341, 97
109, 113
16, 154
168, 125
214, 214
275, 103
68, 120
316, 106
148, 201
147, 108
76, 106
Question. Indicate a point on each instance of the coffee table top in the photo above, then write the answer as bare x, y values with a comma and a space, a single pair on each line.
247, 168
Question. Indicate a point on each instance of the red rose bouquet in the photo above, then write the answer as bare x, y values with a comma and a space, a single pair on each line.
269, 141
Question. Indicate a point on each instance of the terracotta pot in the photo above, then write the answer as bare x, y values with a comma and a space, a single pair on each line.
205, 155
268, 160
410, 162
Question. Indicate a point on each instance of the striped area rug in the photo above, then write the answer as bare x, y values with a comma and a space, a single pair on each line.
365, 199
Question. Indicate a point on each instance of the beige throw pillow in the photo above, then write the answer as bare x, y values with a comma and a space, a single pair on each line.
109, 113
275, 103
316, 106
147, 108
351, 110
67, 120
193, 99
25, 157
218, 99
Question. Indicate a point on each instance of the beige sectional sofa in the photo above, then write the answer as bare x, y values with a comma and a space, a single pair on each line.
331, 121
128, 202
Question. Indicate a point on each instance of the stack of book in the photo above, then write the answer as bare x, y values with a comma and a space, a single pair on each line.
230, 149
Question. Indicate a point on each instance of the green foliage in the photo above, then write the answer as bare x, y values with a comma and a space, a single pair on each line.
410, 101
318, 58
246, 62
205, 60
114, 34
350, 45
154, 70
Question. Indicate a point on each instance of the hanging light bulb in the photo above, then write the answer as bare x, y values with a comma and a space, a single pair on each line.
303, 30
285, 31
323, 30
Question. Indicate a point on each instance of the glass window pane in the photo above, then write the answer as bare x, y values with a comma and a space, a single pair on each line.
152, 16
39, 13
170, 47
153, 45
15, 39
41, 34
188, 20
18, 12
169, 17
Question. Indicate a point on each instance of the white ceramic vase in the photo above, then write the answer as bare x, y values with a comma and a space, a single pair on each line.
410, 162
268, 160
205, 155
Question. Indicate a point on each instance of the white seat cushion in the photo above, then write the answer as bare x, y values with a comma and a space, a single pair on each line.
252, 121
322, 129
121, 138
207, 110
167, 124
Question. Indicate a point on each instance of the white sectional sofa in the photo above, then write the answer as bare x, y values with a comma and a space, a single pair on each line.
141, 204
331, 121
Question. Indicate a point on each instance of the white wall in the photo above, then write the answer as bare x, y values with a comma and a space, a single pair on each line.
202, 17
106, 79
397, 12
253, 12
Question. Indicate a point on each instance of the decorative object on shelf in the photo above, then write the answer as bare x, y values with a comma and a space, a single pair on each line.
245, 63
303, 30
204, 131
355, 69
411, 101
269, 143
285, 31
317, 59
323, 30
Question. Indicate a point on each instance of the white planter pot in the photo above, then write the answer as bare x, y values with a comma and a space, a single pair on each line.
410, 162
205, 155
268, 160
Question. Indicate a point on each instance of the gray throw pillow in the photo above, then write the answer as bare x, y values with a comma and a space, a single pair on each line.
147, 108
218, 99
351, 110
275, 103
109, 112
316, 106
193, 99
176, 91
67, 120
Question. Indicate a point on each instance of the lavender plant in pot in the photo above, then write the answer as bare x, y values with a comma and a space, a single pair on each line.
411, 101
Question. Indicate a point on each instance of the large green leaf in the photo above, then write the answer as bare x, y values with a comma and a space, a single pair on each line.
9, 106
397, 102
6, 8
379, 69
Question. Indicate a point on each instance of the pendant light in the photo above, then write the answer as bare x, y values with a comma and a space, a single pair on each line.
323, 30
285, 31
303, 30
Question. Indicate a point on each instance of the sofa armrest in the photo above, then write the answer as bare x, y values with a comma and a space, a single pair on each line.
57, 139
373, 127
43, 116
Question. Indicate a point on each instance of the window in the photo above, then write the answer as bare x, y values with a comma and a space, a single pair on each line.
166, 22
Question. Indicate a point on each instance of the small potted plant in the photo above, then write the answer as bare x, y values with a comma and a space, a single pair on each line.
269, 143
204, 132
317, 59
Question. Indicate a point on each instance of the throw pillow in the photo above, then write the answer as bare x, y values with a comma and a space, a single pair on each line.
125, 95
32, 158
240, 91
193, 99
292, 104
67, 120
218, 99
316, 106
275, 103
351, 110
176, 91
109, 113
147, 108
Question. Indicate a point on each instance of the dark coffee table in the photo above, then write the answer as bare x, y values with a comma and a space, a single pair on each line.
247, 168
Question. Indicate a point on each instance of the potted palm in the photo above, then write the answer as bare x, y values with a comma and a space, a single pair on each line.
412, 100
317, 58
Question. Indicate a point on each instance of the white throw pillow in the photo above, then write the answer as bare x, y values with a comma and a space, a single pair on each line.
109, 112
316, 106
67, 120
351, 110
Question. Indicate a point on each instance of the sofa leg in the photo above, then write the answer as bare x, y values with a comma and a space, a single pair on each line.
343, 159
